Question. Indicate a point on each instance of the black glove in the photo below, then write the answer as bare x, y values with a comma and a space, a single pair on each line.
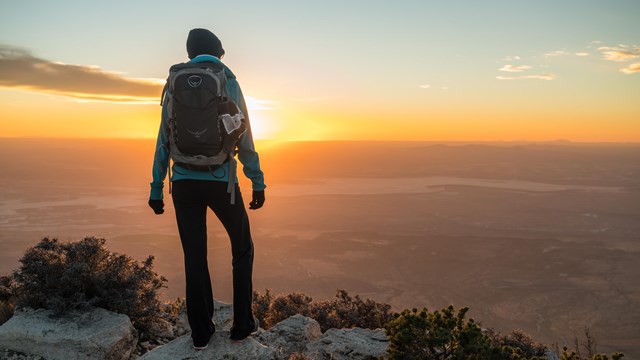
157, 206
258, 200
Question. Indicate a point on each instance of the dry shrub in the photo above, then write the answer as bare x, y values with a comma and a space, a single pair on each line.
83, 274
343, 311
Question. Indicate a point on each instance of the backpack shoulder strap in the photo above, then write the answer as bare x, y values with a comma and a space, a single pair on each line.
172, 69
164, 92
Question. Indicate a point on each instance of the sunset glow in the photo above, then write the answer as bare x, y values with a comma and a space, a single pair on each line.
466, 155
416, 71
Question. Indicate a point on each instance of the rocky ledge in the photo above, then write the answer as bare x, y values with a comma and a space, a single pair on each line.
94, 334
100, 334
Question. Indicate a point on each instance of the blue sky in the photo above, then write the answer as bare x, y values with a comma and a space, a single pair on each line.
119, 34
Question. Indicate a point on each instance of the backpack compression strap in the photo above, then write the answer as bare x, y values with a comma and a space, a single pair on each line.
231, 185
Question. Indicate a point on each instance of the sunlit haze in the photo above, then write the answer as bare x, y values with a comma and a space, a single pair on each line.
420, 153
333, 70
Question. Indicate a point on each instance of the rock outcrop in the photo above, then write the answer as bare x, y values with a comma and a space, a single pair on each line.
291, 335
220, 347
352, 344
297, 334
93, 334
101, 334
222, 315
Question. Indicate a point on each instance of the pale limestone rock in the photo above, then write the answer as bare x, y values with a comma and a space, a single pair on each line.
352, 344
291, 335
220, 347
6, 354
93, 334
222, 315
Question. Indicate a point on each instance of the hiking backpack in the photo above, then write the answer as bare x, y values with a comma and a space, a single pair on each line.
204, 124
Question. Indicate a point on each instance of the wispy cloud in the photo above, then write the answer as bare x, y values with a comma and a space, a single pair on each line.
514, 68
20, 69
429, 86
563, 53
620, 53
534, 76
523, 73
557, 53
511, 58
616, 53
631, 69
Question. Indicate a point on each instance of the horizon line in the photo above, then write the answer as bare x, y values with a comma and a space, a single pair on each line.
517, 141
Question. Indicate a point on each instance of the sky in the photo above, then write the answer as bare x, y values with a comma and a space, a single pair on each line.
446, 70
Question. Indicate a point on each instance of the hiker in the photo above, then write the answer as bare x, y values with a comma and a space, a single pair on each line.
204, 124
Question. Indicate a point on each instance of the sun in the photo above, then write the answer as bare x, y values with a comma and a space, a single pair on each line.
261, 126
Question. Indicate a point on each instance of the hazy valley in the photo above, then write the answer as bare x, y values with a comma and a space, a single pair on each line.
542, 237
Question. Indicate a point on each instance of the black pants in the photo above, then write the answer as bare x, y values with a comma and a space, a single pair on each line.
191, 198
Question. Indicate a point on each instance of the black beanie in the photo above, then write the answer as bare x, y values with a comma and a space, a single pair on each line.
203, 41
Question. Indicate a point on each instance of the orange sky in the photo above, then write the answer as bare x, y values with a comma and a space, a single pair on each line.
416, 71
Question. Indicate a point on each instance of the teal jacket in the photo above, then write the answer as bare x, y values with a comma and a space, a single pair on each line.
246, 150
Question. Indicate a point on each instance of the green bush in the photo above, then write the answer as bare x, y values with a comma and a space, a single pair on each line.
447, 335
575, 355
516, 345
586, 343
444, 334
78, 275
343, 311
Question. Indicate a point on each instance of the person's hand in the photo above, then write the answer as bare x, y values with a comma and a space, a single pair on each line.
257, 200
157, 206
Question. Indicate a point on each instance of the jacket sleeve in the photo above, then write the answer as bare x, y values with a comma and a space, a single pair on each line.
246, 149
161, 158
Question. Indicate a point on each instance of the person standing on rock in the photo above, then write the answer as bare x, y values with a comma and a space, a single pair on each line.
204, 124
